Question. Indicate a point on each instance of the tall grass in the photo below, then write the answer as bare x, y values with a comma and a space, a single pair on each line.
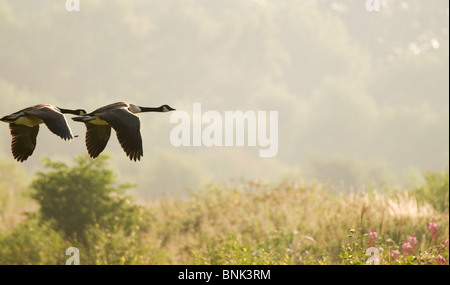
284, 224
14, 192
252, 223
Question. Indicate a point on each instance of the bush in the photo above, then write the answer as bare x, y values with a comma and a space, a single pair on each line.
32, 242
435, 191
83, 196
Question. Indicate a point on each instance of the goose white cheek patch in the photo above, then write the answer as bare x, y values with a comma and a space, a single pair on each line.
214, 129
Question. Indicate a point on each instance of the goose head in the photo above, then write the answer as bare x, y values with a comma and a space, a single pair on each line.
80, 112
166, 108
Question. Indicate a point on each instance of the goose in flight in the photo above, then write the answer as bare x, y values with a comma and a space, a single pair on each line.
24, 127
121, 117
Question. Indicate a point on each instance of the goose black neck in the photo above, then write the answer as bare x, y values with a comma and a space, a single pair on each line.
67, 111
151, 109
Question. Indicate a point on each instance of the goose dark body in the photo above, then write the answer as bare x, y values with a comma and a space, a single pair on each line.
24, 127
121, 117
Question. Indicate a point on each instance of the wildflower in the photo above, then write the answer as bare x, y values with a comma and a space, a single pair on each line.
433, 229
394, 254
407, 249
372, 238
441, 260
413, 242
446, 243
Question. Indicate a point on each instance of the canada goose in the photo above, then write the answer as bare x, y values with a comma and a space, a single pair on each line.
24, 127
121, 117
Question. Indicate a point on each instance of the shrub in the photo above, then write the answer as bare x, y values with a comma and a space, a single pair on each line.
32, 242
435, 190
83, 196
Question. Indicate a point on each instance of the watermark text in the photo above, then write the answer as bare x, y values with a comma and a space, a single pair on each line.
226, 130
73, 5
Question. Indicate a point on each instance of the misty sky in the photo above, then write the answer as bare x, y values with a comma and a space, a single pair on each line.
361, 96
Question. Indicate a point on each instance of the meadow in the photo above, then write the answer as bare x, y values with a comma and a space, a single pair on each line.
245, 222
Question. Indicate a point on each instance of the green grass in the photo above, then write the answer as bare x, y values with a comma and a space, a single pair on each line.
288, 224
249, 223
13, 194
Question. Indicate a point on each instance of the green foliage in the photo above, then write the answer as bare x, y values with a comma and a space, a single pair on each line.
78, 197
253, 223
104, 247
246, 223
32, 242
435, 190
13, 193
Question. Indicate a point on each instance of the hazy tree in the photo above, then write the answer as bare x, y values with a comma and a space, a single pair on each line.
85, 195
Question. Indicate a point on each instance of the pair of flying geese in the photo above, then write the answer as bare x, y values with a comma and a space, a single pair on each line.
24, 127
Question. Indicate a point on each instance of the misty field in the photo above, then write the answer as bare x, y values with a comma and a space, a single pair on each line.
361, 101
247, 222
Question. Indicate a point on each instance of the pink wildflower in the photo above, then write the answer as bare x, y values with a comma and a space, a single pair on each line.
407, 249
446, 243
413, 242
433, 229
371, 238
394, 254
441, 260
